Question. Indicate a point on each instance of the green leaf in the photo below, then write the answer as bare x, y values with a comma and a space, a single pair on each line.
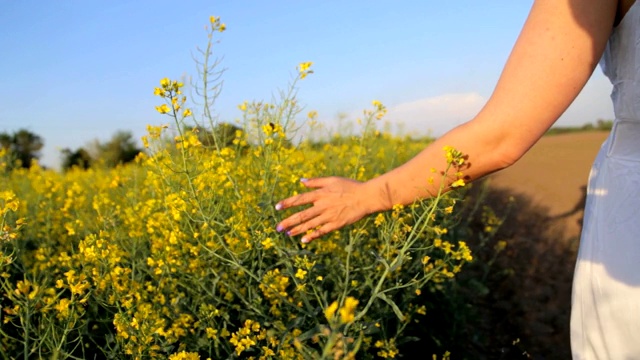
393, 305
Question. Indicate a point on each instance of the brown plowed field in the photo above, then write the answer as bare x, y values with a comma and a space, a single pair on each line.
554, 175
541, 228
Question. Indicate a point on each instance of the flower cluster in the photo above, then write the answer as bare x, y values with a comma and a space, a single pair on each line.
176, 256
304, 69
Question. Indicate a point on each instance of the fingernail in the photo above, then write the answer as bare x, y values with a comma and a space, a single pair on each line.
278, 206
303, 180
304, 240
279, 228
289, 233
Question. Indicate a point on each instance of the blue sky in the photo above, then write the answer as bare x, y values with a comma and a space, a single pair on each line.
73, 71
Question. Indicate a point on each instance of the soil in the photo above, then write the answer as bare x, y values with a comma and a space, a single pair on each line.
542, 232
554, 174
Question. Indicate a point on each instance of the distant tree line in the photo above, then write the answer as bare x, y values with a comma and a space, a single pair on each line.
120, 149
600, 125
23, 147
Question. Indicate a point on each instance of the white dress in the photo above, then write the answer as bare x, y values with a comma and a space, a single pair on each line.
605, 315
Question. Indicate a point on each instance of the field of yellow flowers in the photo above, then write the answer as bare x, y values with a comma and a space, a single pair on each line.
177, 256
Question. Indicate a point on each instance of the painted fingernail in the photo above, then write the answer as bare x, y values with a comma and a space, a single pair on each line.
289, 233
304, 240
279, 228
303, 180
278, 206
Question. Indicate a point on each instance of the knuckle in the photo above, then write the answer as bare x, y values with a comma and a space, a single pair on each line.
294, 201
301, 199
300, 218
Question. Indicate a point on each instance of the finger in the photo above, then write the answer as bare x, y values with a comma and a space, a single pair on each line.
321, 231
297, 200
296, 219
307, 225
317, 182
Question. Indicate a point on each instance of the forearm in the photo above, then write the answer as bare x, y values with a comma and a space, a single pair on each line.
429, 172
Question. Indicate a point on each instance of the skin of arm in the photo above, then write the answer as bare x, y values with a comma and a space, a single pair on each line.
554, 56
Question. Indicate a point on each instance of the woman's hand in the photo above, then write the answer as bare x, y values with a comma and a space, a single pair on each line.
337, 202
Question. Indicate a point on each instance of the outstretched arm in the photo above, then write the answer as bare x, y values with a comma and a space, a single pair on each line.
555, 54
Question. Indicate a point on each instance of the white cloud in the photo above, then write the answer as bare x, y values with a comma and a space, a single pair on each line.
435, 115
439, 114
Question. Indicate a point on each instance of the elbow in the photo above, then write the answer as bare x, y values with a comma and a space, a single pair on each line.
506, 158
499, 146
506, 154
508, 144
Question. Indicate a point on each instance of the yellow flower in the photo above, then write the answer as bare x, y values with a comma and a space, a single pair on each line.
458, 183
440, 230
23, 287
300, 274
63, 307
347, 312
379, 219
305, 69
380, 110
162, 109
267, 243
183, 355
453, 156
216, 25
211, 333
305, 66
330, 311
